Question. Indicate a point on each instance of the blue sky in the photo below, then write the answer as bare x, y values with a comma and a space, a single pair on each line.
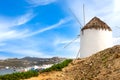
41, 28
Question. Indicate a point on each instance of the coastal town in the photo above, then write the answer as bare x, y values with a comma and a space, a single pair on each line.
26, 64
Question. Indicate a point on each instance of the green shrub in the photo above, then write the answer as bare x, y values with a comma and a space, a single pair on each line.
59, 66
19, 75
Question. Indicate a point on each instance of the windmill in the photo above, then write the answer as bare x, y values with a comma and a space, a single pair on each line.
95, 36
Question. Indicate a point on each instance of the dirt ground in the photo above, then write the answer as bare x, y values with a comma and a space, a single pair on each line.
47, 76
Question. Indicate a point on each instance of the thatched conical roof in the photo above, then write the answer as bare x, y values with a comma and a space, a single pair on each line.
96, 23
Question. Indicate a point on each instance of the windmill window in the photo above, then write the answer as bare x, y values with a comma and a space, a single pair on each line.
95, 23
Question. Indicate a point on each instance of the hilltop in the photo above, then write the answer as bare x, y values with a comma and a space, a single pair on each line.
104, 65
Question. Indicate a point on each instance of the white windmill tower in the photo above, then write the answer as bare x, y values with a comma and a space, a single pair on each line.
95, 36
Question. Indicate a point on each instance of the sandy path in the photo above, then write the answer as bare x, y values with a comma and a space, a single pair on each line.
47, 76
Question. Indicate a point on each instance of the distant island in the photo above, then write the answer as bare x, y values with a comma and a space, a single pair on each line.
28, 61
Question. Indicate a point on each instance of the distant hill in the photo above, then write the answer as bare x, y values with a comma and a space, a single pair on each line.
28, 61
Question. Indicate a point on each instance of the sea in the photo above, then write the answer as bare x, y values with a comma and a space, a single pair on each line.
7, 71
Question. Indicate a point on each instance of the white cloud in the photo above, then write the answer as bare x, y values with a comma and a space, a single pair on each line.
8, 25
3, 57
103, 9
116, 5
26, 52
116, 41
61, 22
36, 3
7, 22
65, 42
70, 51
24, 47
12, 34
23, 19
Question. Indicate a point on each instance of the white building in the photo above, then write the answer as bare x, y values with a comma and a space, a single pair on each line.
95, 36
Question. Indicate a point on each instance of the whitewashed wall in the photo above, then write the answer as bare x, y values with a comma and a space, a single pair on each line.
93, 40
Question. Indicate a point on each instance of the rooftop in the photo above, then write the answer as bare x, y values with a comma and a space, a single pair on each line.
96, 23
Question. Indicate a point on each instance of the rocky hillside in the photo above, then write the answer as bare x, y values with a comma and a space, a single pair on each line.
104, 65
